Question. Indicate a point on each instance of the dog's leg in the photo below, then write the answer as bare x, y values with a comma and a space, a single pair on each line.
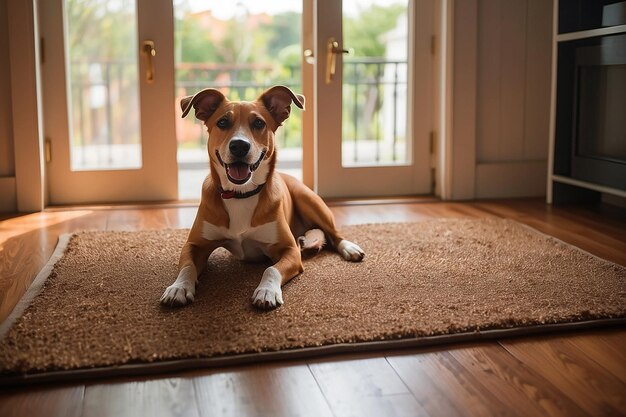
314, 211
192, 262
268, 294
323, 218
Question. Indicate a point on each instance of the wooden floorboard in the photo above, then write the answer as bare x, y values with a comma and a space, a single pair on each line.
576, 373
43, 401
257, 391
364, 387
164, 397
590, 386
606, 352
508, 378
444, 387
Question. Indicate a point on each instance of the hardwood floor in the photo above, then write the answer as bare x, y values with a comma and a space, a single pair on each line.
567, 374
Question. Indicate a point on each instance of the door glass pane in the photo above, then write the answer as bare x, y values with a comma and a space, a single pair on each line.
240, 48
104, 90
375, 73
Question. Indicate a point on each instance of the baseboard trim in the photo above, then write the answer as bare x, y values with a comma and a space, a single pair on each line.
511, 179
8, 195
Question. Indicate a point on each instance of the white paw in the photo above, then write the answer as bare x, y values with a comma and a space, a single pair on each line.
350, 251
268, 294
267, 298
178, 294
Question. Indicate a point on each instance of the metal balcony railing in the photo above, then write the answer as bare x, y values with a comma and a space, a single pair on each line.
374, 110
374, 102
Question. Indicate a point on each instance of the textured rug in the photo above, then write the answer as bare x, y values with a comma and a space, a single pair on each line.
94, 310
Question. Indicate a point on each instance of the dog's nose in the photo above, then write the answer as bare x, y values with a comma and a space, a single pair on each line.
239, 147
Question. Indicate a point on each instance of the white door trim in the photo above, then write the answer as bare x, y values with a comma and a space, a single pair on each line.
444, 18
309, 160
462, 135
26, 104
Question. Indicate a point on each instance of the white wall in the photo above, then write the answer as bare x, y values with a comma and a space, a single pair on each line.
24, 191
512, 97
501, 98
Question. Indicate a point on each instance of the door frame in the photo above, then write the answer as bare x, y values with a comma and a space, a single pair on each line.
27, 114
157, 179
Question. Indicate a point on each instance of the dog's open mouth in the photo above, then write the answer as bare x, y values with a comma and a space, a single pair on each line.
239, 172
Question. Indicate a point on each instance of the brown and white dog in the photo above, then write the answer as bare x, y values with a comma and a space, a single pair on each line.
246, 206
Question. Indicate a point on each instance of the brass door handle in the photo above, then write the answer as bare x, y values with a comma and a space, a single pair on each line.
148, 50
332, 50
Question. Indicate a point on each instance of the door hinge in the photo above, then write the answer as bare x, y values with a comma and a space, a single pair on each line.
433, 180
433, 161
432, 142
42, 50
433, 44
48, 150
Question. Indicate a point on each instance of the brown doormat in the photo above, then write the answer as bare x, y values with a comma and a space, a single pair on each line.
420, 283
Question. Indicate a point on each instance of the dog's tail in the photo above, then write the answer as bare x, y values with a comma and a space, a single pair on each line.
313, 240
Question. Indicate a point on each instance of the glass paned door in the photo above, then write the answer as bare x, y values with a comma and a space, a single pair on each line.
108, 101
374, 106
107, 97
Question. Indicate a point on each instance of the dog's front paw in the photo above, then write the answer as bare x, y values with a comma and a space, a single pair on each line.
350, 251
178, 295
268, 294
267, 298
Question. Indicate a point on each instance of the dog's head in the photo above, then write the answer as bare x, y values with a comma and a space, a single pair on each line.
241, 134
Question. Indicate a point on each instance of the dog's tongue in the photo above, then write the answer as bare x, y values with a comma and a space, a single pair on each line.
238, 170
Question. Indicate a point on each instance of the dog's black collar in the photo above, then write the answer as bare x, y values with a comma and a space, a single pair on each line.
228, 194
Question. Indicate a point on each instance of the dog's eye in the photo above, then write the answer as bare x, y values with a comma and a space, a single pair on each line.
223, 123
258, 124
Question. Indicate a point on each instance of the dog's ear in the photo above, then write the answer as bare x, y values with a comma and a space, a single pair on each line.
204, 102
277, 100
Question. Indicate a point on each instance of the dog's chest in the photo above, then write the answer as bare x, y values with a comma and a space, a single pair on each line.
240, 238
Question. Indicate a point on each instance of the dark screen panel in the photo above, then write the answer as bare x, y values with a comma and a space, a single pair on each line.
577, 15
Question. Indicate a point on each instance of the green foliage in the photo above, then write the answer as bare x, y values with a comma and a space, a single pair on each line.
192, 43
99, 31
284, 30
362, 34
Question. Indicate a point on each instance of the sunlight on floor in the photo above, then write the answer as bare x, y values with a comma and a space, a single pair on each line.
22, 224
